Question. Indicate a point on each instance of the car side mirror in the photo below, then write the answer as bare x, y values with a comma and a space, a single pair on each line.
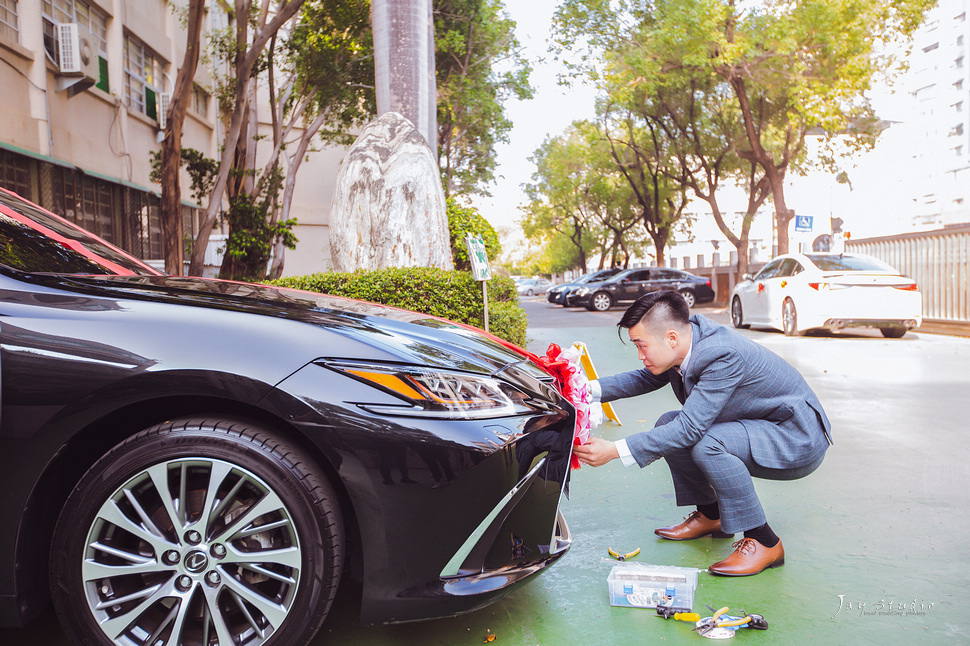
747, 277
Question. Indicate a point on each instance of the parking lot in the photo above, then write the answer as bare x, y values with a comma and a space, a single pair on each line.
876, 539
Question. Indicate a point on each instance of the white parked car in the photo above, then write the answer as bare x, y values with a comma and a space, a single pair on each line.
533, 286
800, 292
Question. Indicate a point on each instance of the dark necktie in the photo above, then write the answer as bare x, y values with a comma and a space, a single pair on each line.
677, 383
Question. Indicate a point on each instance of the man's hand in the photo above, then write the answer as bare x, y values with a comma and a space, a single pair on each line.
597, 452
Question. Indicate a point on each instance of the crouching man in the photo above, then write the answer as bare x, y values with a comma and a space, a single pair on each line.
746, 414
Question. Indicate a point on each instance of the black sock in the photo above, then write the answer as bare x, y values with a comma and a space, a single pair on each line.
763, 535
711, 511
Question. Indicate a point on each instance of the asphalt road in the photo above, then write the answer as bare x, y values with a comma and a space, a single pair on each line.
883, 521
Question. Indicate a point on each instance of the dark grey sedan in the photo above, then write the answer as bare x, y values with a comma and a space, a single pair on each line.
629, 285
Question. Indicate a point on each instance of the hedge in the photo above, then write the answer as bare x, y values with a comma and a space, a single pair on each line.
452, 295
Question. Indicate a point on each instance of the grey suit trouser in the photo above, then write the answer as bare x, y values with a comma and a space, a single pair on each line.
719, 469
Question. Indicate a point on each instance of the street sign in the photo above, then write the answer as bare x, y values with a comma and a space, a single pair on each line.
803, 223
480, 268
478, 257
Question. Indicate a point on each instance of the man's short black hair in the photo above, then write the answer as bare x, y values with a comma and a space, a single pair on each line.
667, 307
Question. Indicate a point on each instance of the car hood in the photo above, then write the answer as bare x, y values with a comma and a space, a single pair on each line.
410, 337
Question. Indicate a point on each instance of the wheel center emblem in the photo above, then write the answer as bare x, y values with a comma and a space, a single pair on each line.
196, 561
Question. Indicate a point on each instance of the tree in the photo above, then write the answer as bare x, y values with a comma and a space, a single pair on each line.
643, 156
473, 39
792, 65
332, 41
463, 220
170, 205
297, 65
699, 120
577, 194
244, 55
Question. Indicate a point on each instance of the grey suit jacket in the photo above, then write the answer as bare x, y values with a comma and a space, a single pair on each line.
730, 378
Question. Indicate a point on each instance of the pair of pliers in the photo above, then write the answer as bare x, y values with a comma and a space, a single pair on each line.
622, 557
722, 620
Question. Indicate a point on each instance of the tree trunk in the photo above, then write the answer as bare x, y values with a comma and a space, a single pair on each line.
170, 205
404, 63
775, 176
388, 207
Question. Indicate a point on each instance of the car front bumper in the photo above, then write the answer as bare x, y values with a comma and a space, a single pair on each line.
448, 514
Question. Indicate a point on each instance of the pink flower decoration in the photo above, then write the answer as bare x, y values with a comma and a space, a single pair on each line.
565, 366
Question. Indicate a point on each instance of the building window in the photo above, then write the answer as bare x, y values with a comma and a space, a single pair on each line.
958, 106
958, 85
960, 40
959, 151
958, 63
15, 172
92, 19
143, 77
9, 25
200, 101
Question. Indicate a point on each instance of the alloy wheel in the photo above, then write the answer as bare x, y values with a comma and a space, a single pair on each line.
602, 302
789, 318
192, 545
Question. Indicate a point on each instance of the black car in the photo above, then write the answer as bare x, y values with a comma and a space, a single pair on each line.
189, 461
630, 284
560, 293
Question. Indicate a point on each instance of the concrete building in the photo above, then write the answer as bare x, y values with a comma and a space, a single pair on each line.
940, 128
85, 83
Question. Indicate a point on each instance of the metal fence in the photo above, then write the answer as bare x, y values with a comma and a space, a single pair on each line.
936, 260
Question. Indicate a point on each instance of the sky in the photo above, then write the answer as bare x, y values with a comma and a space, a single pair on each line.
550, 112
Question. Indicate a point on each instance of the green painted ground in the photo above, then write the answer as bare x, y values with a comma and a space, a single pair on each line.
882, 525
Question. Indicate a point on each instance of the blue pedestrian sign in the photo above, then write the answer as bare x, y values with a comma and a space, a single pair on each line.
803, 223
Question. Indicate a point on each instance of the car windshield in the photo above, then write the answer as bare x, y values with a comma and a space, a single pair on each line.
35, 241
846, 263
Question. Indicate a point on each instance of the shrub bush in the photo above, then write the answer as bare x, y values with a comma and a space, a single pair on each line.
463, 220
452, 295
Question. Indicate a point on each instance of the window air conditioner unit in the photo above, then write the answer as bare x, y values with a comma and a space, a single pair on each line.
78, 62
164, 99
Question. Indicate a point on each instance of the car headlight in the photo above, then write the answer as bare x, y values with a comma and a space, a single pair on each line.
582, 291
428, 392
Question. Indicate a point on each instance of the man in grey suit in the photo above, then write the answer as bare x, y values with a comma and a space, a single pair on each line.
745, 413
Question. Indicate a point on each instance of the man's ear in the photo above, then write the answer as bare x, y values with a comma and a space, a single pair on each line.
672, 338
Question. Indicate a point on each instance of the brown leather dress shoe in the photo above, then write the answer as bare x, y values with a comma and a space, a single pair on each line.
694, 526
749, 557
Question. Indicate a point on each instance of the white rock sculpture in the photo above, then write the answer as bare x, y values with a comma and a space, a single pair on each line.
388, 207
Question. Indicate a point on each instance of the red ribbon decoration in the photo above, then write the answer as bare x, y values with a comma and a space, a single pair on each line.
561, 370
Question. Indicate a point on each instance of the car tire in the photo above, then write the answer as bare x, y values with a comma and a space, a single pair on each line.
789, 318
166, 525
529, 292
689, 297
893, 332
600, 302
737, 314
